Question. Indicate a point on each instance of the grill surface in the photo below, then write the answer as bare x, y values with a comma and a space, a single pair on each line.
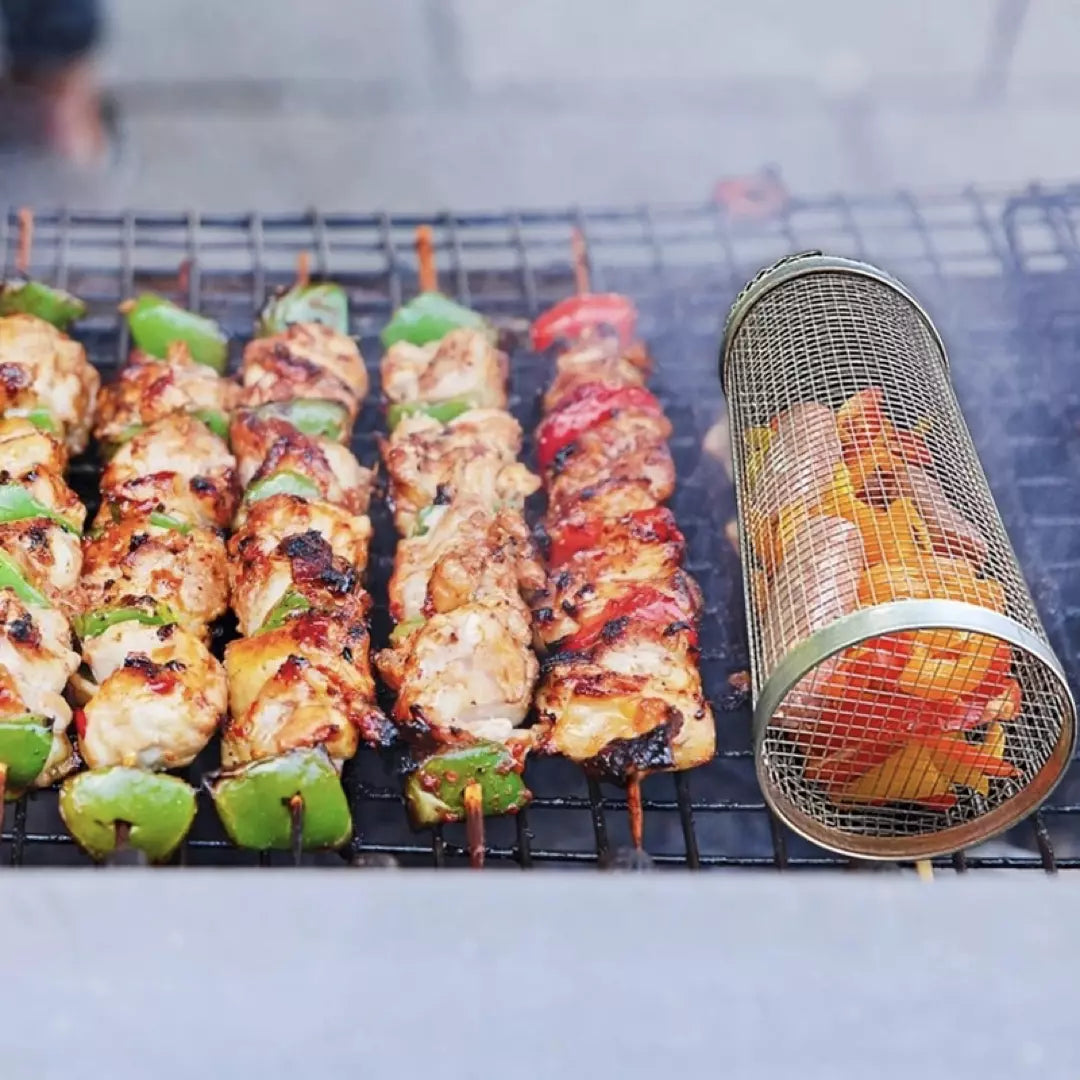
1001, 273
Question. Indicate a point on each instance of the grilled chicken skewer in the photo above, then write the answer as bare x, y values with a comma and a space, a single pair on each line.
154, 578
621, 693
301, 693
460, 659
47, 388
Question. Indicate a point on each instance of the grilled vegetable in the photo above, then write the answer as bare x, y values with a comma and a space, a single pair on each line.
429, 317
54, 306
157, 323
325, 303
574, 318
435, 791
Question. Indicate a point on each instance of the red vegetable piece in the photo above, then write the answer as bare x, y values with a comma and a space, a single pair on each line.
572, 317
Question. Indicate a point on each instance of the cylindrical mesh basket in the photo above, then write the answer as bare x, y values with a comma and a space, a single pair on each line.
906, 700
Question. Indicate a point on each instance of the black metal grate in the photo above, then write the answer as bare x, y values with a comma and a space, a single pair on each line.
999, 271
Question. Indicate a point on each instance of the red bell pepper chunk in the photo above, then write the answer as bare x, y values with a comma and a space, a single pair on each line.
80, 722
589, 405
644, 605
655, 525
860, 421
571, 318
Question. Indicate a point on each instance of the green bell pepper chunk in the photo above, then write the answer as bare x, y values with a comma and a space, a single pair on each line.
253, 802
11, 577
92, 623
324, 303
291, 603
285, 482
430, 317
158, 807
428, 518
39, 417
311, 416
215, 420
17, 504
443, 411
167, 521
156, 323
405, 629
25, 742
33, 298
435, 792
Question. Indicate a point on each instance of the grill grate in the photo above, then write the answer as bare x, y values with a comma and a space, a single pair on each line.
1002, 285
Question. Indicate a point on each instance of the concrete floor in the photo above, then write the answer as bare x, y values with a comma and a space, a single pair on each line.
422, 104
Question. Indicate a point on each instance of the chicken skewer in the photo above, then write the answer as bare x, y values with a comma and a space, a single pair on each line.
621, 693
301, 692
152, 695
460, 659
46, 391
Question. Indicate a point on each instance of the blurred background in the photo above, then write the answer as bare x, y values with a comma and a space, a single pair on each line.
421, 104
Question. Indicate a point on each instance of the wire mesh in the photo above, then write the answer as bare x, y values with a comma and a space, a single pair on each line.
889, 723
682, 266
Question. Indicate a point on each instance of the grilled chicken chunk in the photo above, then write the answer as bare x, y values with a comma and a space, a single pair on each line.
266, 445
149, 389
466, 553
473, 455
47, 703
469, 670
24, 446
307, 360
177, 466
463, 364
42, 367
597, 360
134, 558
160, 697
305, 683
801, 460
50, 558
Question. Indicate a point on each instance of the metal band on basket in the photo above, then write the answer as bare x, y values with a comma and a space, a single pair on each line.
907, 701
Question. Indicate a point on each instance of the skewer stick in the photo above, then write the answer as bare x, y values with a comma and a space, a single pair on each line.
3, 791
924, 869
296, 829
581, 261
425, 258
474, 823
303, 269
25, 241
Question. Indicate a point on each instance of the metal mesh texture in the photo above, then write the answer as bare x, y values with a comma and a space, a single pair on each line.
988, 263
860, 489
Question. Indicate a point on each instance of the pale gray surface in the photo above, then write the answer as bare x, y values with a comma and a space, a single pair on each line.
176, 974
416, 104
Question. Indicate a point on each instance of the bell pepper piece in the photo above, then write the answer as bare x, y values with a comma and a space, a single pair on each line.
215, 420
435, 792
167, 521
443, 411
25, 742
404, 630
158, 807
967, 763
40, 417
311, 416
91, 624
427, 518
589, 405
292, 603
34, 298
643, 604
285, 482
324, 303
569, 319
155, 323
253, 802
574, 534
430, 317
756, 441
11, 577
17, 504
909, 775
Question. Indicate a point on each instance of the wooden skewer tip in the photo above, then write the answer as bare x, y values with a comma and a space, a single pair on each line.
26, 239
303, 269
635, 812
425, 257
473, 797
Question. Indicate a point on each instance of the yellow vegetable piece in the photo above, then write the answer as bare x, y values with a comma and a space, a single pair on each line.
909, 775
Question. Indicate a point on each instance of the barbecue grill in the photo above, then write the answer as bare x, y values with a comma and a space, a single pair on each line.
997, 269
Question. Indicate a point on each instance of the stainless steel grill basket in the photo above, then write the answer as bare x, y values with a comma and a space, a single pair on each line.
907, 702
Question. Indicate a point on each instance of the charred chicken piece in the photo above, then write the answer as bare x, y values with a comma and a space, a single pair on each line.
41, 367
464, 365
24, 446
306, 360
598, 360
149, 389
473, 456
160, 696
464, 552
